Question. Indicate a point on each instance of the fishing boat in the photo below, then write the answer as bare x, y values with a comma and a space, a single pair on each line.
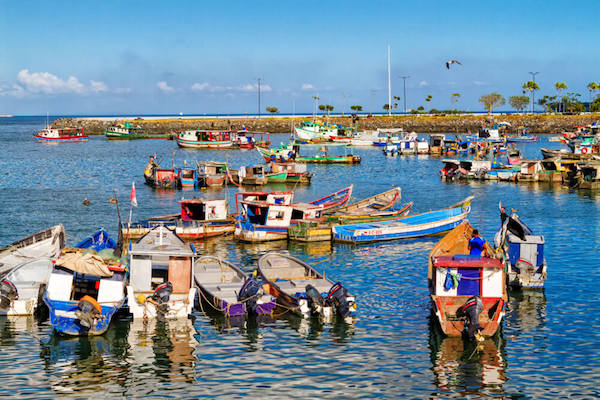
311, 131
584, 145
283, 153
295, 173
47, 243
300, 288
564, 154
412, 226
161, 276
283, 197
260, 221
187, 177
468, 292
197, 139
384, 136
256, 175
225, 288
84, 293
522, 136
21, 290
211, 173
514, 156
127, 131
248, 140
587, 176
97, 241
530, 171
436, 143
335, 200
323, 157
523, 252
379, 202
59, 135
198, 219
158, 177
391, 149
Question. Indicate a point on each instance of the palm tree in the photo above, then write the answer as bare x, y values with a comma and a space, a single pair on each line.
531, 87
592, 87
560, 86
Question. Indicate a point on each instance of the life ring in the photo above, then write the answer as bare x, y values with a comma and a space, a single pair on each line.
584, 150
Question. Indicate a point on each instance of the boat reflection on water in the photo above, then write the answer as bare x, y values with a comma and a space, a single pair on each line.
310, 248
526, 311
312, 328
83, 365
162, 350
465, 367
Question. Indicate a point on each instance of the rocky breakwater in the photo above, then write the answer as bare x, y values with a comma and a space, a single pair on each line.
459, 124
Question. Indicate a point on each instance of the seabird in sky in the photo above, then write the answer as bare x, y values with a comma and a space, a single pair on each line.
448, 63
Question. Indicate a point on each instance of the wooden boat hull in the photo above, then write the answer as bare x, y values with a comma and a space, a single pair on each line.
286, 277
246, 232
300, 178
329, 160
280, 177
212, 293
190, 144
421, 225
191, 230
62, 139
493, 312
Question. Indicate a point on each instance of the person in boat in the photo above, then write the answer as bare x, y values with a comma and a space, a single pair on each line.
477, 245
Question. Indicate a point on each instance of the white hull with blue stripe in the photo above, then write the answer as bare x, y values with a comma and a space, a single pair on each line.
426, 224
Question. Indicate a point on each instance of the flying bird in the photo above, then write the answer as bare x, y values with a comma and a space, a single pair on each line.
448, 63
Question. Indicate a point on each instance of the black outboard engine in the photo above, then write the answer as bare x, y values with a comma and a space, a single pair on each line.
315, 300
471, 310
338, 298
161, 297
8, 293
88, 310
248, 293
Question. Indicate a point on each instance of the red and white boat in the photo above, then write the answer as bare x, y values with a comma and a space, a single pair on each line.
55, 135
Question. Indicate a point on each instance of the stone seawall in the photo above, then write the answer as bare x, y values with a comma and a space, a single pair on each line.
539, 124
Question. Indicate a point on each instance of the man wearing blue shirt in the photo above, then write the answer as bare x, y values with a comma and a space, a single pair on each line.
476, 244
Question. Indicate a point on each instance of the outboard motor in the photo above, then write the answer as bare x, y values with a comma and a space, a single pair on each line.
248, 293
315, 300
8, 293
88, 310
161, 297
471, 310
338, 297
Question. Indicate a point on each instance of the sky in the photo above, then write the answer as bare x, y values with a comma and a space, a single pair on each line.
193, 57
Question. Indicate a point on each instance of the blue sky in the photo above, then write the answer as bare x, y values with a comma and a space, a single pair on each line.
113, 57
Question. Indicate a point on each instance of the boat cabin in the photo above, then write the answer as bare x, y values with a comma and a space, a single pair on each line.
187, 177
203, 210
252, 175
289, 167
280, 198
589, 175
157, 259
530, 170
205, 136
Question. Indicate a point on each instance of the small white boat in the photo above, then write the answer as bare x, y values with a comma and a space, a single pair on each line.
21, 290
47, 243
161, 276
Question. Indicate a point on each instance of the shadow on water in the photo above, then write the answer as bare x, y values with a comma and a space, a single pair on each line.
465, 368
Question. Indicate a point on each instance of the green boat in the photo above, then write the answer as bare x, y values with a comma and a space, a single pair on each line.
323, 157
277, 177
127, 132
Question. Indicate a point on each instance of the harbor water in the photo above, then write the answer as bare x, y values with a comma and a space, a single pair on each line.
547, 347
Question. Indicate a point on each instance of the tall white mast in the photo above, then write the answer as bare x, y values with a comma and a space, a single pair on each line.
389, 84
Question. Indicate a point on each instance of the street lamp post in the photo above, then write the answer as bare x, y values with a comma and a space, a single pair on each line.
373, 91
259, 80
533, 74
404, 78
344, 96
315, 99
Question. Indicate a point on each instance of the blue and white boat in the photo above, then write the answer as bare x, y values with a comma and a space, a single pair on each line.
84, 292
98, 241
425, 224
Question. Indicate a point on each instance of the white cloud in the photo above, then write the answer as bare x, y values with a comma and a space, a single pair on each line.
45, 82
423, 83
207, 87
201, 86
97, 86
162, 85
15, 90
122, 90
308, 86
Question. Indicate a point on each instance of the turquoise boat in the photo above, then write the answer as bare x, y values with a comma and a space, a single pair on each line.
420, 225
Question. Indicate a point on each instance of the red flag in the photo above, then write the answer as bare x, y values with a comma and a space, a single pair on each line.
132, 197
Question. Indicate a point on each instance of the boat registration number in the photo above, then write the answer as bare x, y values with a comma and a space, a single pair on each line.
371, 232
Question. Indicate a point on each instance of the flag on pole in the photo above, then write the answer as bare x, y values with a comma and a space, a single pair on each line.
132, 197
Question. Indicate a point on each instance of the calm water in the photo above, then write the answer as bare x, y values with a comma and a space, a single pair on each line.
548, 346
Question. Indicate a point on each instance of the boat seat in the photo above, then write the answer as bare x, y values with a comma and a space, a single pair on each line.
284, 273
211, 267
279, 262
322, 285
216, 277
377, 206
